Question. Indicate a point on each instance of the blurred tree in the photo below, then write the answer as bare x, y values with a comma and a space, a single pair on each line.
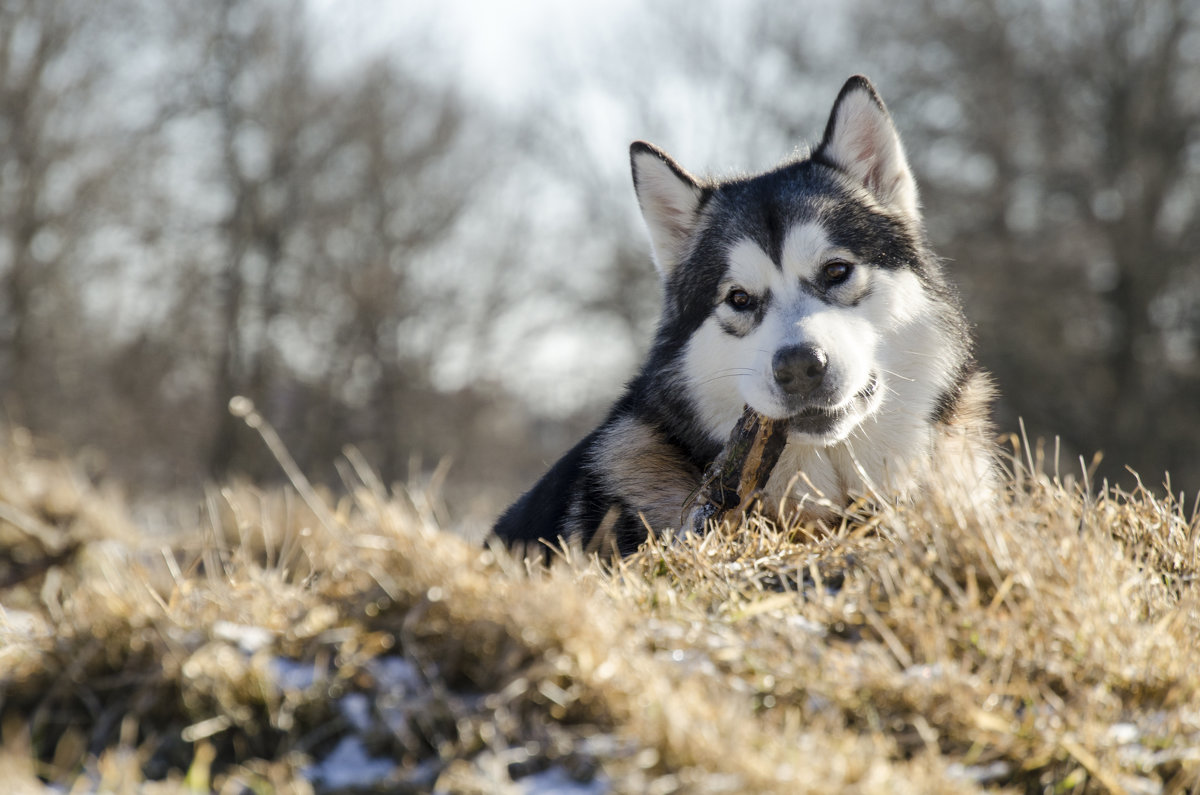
77, 154
420, 168
259, 88
51, 169
335, 197
1060, 148
227, 215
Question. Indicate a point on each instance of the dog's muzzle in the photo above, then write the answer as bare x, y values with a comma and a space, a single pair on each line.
822, 421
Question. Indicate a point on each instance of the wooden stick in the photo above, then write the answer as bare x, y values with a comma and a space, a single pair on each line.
735, 479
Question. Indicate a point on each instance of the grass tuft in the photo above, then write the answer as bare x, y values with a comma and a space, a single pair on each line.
292, 640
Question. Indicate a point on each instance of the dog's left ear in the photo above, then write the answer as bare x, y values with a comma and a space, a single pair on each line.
861, 140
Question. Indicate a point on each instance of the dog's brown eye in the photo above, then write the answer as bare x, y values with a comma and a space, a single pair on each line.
836, 272
740, 300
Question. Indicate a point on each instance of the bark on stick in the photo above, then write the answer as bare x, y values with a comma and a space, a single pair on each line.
735, 479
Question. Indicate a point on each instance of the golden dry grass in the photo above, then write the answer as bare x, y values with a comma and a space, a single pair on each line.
1049, 645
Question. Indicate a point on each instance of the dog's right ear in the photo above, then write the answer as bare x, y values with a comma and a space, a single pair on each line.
670, 199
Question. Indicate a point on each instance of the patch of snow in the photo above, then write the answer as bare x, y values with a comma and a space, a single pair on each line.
1123, 733
980, 774
292, 675
249, 639
356, 709
807, 626
399, 688
925, 673
556, 781
349, 765
396, 674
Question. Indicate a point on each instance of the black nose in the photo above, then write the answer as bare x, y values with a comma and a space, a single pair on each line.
799, 369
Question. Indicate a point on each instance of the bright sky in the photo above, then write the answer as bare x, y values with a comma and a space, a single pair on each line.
501, 47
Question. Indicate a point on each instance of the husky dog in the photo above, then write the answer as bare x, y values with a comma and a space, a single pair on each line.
808, 293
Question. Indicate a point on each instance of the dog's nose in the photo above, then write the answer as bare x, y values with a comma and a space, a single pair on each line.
799, 369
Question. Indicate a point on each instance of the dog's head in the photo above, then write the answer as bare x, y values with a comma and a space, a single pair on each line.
806, 292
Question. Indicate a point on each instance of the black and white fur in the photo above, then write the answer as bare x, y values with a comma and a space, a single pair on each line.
809, 293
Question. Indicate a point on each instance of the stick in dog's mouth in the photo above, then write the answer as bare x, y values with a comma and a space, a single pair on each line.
735, 479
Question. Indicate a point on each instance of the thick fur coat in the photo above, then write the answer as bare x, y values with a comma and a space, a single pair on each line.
809, 293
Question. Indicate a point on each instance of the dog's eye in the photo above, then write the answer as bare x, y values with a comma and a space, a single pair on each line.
740, 300
836, 272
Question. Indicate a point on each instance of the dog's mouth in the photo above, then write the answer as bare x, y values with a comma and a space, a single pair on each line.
824, 421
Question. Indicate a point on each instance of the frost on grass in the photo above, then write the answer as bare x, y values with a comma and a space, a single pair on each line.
292, 642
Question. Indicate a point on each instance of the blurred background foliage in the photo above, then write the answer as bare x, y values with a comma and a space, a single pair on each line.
413, 231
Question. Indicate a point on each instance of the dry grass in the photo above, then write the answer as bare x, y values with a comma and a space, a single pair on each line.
1051, 645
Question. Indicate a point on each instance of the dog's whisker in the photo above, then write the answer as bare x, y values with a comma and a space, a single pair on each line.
894, 374
891, 391
726, 375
